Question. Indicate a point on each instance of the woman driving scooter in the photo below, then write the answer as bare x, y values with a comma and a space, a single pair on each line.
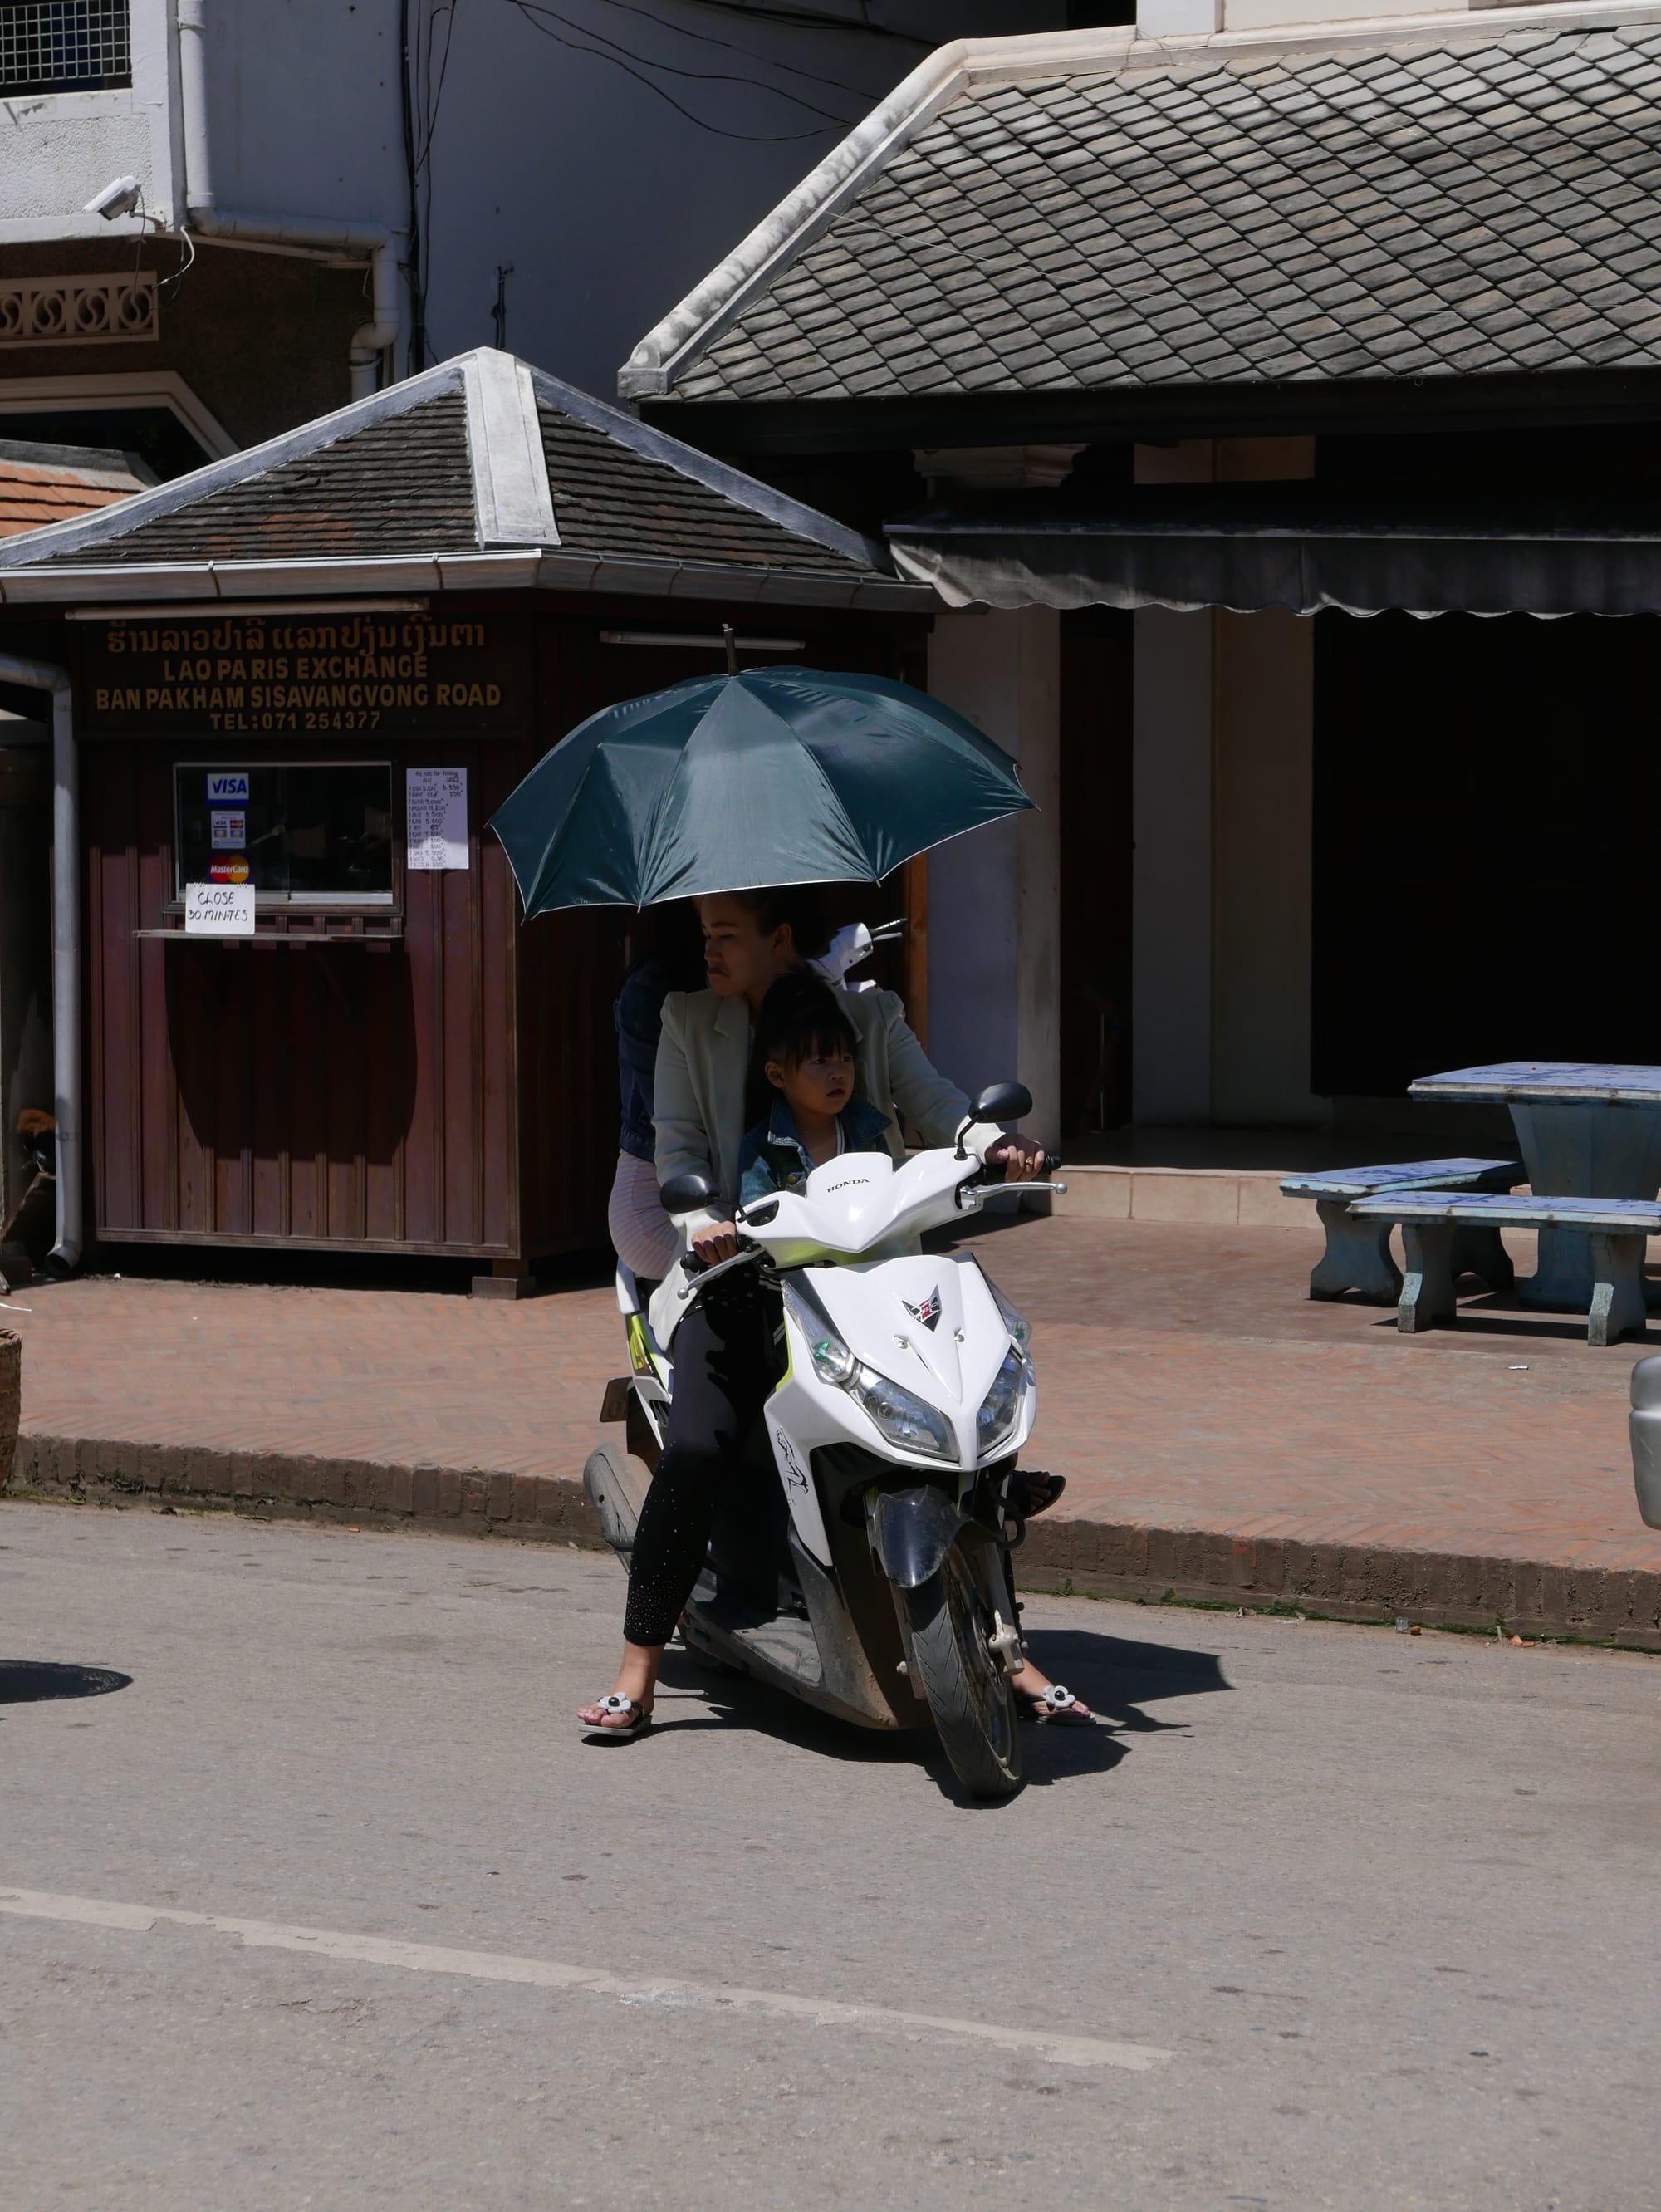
724, 1348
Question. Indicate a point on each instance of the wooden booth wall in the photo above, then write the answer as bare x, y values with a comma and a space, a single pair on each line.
361, 1094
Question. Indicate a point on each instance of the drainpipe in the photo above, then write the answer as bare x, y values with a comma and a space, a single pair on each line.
44, 676
205, 216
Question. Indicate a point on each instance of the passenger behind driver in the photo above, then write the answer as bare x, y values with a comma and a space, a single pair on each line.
801, 1091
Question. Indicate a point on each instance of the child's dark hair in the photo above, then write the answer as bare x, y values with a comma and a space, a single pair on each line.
800, 1016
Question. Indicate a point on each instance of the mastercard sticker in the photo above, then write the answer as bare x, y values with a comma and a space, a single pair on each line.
226, 868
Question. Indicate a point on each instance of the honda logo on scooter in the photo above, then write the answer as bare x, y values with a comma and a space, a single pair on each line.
929, 1312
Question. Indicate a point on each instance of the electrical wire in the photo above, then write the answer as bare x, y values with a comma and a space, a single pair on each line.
708, 38
187, 262
430, 117
715, 130
801, 20
407, 101
423, 96
670, 69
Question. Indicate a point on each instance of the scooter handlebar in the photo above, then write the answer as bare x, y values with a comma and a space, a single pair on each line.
702, 1277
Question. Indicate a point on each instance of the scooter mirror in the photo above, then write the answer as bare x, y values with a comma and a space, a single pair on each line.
688, 1193
1003, 1102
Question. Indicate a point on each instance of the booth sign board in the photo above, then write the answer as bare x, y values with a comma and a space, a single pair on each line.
280, 673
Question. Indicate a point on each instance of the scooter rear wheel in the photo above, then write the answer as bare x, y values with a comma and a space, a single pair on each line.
954, 1667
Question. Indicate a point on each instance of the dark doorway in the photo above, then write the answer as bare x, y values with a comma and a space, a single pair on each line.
1095, 869
1486, 795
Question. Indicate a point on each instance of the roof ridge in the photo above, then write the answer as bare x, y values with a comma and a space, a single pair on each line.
973, 65
512, 503
325, 430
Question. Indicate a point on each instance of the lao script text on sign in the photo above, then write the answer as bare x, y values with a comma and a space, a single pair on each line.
218, 909
353, 672
435, 800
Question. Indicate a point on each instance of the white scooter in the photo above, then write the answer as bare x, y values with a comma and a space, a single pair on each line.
859, 1561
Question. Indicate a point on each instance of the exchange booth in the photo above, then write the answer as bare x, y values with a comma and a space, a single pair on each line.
315, 1017
312, 1015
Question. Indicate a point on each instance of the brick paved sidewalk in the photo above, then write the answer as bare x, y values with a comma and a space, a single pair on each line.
1221, 1436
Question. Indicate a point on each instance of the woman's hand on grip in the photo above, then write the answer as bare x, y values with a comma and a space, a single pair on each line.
716, 1243
1020, 1158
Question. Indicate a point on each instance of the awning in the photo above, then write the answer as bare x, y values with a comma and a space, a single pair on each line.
1302, 546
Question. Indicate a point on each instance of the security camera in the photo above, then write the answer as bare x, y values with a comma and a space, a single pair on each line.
120, 198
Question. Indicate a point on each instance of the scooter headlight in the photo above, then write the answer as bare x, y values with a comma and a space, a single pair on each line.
832, 1361
1020, 1329
902, 1417
1000, 1409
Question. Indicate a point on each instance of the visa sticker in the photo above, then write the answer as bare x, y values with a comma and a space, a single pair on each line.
227, 786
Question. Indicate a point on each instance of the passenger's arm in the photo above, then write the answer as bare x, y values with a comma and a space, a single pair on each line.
934, 1107
937, 1108
682, 1147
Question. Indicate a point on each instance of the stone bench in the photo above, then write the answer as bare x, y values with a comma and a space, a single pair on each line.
1616, 1229
1358, 1257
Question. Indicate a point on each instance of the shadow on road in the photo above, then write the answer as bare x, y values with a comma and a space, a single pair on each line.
31, 1681
1115, 1675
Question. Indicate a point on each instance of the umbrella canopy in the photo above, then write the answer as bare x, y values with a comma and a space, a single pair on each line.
778, 775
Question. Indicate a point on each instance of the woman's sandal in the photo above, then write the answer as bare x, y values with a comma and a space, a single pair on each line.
604, 1729
1058, 1703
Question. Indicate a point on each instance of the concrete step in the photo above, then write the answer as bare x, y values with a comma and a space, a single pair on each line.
1231, 1197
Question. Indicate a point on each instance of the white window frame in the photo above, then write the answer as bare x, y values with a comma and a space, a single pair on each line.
152, 389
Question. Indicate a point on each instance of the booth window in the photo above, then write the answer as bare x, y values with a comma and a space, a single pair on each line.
309, 833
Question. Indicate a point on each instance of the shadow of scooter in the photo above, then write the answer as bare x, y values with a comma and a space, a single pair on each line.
1115, 1676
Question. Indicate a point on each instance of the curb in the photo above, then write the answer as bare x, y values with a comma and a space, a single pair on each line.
369, 1493
1096, 1558
1378, 1583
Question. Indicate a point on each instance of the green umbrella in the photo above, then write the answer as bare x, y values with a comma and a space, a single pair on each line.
778, 775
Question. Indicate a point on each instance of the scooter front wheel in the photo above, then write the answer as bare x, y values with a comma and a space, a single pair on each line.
950, 1624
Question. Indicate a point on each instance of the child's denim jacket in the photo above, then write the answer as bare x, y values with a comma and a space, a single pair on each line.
773, 1157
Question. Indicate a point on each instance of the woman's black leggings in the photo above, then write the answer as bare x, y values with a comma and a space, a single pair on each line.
725, 1362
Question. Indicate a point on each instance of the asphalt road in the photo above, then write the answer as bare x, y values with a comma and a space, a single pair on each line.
328, 1906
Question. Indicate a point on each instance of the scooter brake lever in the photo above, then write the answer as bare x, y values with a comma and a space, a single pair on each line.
705, 1276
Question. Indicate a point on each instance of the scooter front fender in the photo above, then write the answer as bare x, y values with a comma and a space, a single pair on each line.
912, 1531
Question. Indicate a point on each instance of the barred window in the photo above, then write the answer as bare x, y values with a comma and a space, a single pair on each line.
64, 46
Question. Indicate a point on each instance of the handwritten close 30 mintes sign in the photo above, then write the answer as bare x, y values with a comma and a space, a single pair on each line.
218, 909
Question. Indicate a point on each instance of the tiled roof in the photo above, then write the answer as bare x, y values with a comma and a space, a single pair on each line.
40, 484
478, 460
399, 483
1454, 202
610, 501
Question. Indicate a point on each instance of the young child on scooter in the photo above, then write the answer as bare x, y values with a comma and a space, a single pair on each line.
802, 1091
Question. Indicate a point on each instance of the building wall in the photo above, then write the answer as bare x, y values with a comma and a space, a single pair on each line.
1224, 738
1167, 18
259, 340
609, 169
305, 113
609, 204
58, 149
994, 895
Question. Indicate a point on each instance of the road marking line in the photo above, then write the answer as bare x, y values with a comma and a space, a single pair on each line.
554, 1974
